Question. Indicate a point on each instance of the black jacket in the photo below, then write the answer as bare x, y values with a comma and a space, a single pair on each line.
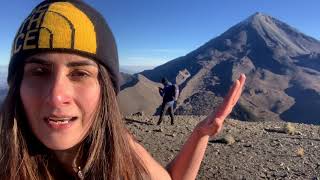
168, 93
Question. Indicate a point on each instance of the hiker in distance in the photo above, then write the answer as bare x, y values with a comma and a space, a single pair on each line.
60, 118
170, 94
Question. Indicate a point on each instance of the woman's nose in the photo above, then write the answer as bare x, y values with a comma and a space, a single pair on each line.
59, 91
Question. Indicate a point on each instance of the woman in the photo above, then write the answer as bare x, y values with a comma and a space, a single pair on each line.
60, 119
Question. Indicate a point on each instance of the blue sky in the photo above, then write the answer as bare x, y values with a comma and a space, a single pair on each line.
152, 32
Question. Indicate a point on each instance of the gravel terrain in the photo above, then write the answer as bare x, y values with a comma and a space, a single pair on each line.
261, 150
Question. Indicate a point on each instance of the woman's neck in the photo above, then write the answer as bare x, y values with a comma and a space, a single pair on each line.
69, 159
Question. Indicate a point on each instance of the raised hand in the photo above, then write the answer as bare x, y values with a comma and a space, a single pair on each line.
213, 123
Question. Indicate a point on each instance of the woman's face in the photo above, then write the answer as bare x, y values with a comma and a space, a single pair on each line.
60, 94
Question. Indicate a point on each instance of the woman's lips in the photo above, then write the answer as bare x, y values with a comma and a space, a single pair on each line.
58, 123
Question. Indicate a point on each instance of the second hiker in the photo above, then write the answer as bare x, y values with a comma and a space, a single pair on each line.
170, 93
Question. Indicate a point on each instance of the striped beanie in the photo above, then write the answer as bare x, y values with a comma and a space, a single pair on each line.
66, 26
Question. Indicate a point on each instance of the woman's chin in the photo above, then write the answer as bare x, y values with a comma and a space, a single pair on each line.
61, 143
59, 146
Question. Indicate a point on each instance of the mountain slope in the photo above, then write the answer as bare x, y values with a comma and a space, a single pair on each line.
141, 96
281, 64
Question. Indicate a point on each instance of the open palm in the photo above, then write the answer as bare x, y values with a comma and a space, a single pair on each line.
213, 123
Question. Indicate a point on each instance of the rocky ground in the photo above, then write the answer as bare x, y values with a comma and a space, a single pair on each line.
261, 150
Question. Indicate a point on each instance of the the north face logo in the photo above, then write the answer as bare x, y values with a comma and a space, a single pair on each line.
56, 26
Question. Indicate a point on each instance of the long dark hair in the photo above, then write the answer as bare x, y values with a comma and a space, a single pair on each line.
104, 154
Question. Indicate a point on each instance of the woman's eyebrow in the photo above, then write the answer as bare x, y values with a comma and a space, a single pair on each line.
38, 61
68, 64
81, 63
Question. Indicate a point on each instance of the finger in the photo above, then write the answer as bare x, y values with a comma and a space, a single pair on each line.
242, 80
234, 96
231, 93
230, 100
226, 107
219, 120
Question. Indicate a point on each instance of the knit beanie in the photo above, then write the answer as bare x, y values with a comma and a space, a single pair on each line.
69, 26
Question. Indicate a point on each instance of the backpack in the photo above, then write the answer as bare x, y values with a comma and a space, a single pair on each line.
171, 93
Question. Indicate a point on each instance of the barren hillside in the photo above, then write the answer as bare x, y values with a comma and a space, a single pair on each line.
282, 66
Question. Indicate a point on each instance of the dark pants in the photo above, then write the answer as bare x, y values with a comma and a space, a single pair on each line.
164, 108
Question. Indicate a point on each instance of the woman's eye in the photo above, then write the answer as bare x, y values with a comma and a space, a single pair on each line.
38, 71
79, 74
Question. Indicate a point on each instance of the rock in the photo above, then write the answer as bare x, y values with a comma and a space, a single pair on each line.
140, 113
158, 130
171, 135
263, 175
248, 145
228, 139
